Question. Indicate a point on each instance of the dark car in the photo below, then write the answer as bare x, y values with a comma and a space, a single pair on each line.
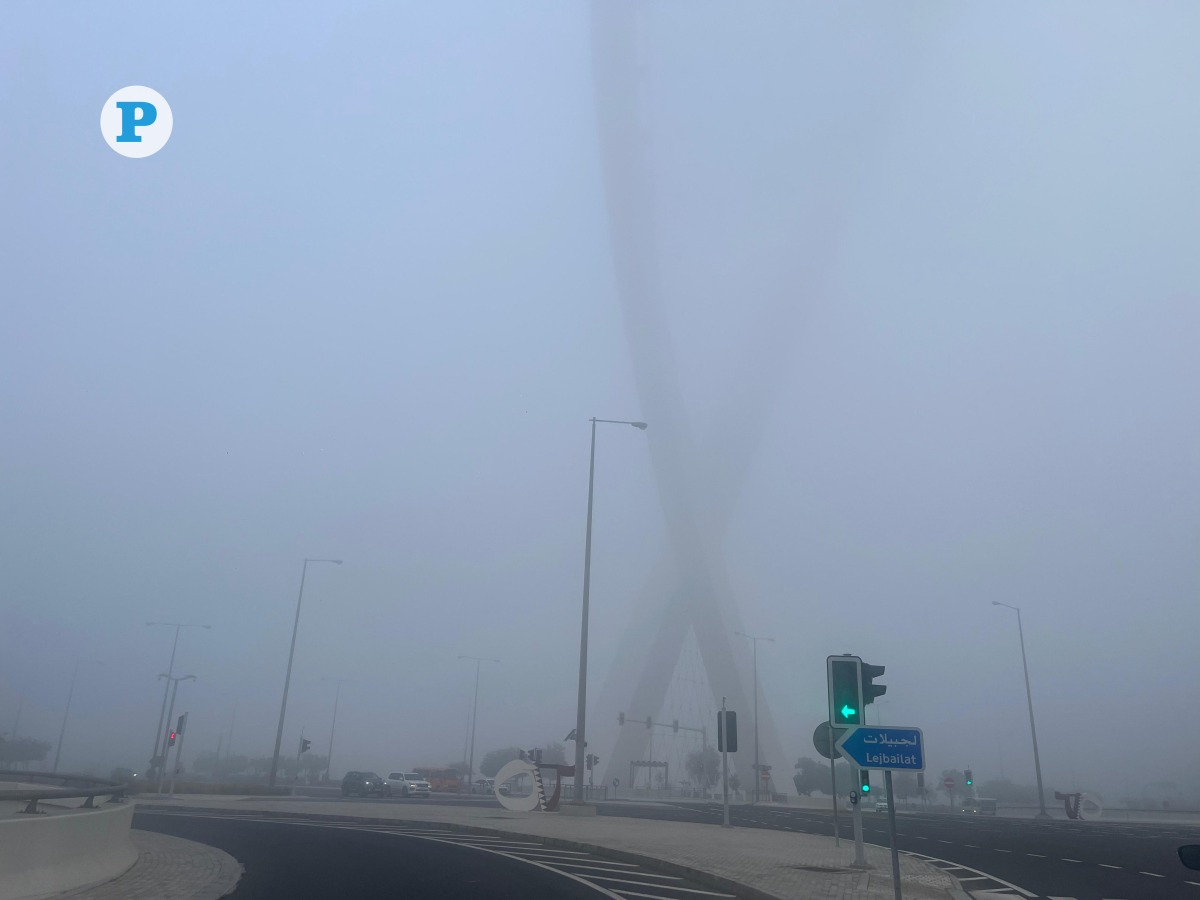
364, 784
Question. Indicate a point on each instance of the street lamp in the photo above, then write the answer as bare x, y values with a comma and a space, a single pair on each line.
173, 685
1037, 763
757, 774
287, 680
581, 710
67, 711
474, 707
170, 671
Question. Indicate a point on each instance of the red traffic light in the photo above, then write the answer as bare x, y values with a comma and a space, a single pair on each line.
171, 740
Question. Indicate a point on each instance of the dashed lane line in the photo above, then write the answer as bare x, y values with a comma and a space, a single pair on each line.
1152, 874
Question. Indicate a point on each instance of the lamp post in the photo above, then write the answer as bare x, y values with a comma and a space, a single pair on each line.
70, 693
581, 710
1037, 763
170, 671
755, 640
173, 685
474, 707
288, 677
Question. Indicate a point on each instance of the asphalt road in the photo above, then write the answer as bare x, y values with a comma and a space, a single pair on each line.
288, 859
1084, 860
1021, 857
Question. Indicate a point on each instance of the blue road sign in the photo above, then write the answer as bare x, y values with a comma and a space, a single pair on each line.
884, 747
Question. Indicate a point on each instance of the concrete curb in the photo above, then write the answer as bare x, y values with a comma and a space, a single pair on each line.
653, 863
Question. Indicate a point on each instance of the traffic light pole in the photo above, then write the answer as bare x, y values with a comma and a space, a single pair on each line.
837, 830
860, 856
724, 768
166, 749
182, 730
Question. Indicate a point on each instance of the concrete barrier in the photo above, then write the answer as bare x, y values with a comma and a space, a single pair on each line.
42, 855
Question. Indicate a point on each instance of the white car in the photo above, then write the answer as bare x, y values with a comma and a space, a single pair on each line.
408, 784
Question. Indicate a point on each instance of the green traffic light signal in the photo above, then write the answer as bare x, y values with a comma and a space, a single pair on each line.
845, 690
864, 780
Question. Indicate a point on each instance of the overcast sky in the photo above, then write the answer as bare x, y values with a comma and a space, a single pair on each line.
930, 281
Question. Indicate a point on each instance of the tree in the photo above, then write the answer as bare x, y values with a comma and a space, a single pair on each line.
494, 760
812, 776
904, 785
703, 767
23, 750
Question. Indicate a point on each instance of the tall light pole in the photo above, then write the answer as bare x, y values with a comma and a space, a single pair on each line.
71, 693
1037, 762
581, 710
170, 671
755, 640
474, 707
173, 685
287, 680
333, 727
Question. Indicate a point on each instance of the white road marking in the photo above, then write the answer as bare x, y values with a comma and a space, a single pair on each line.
1107, 866
626, 893
1038, 855
1152, 874
1064, 859
651, 885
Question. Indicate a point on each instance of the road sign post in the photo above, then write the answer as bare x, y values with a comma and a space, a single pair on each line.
891, 801
823, 740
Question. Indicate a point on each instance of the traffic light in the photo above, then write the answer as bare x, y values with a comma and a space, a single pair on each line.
592, 759
845, 690
921, 782
967, 777
864, 780
620, 718
727, 731
171, 739
871, 691
675, 726
305, 743
649, 722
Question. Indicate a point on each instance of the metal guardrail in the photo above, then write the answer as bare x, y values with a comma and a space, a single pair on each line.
59, 787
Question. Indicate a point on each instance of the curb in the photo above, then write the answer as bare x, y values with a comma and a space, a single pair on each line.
707, 879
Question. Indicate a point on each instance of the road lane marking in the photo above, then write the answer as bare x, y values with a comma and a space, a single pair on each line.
651, 885
1152, 874
1107, 866
1064, 859
575, 865
1038, 855
626, 893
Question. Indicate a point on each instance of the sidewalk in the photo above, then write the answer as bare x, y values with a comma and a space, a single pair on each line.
169, 868
755, 862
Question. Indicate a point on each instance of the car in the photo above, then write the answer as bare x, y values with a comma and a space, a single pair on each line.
408, 784
980, 806
364, 784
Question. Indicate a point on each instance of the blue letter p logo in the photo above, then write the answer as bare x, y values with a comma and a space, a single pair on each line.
136, 121
130, 119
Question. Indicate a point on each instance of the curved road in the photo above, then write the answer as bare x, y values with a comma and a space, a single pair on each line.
291, 861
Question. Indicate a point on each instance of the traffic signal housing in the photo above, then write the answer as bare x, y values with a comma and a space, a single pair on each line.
305, 743
870, 690
864, 780
967, 777
171, 739
845, 690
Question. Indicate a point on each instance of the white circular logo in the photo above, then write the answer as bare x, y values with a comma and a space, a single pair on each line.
136, 121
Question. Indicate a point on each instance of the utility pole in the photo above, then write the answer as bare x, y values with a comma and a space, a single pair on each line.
474, 709
757, 772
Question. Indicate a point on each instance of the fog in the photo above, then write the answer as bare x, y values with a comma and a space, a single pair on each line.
919, 336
